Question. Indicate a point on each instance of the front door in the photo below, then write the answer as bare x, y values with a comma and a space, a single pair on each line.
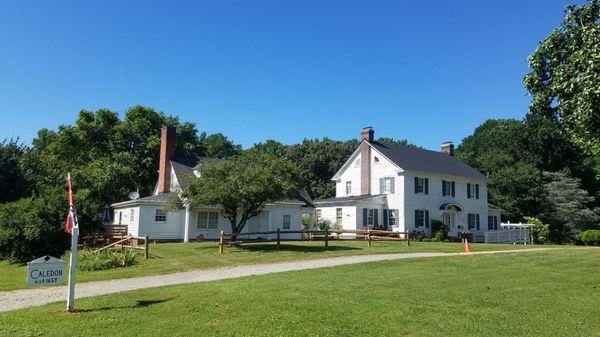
449, 218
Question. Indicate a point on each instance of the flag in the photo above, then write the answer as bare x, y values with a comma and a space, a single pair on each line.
72, 214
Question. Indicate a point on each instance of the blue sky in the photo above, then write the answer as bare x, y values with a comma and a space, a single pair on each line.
427, 71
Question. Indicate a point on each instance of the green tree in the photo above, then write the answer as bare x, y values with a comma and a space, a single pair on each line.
242, 186
564, 81
569, 208
13, 184
217, 146
318, 161
517, 189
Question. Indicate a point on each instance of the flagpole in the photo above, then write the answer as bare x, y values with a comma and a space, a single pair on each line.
74, 241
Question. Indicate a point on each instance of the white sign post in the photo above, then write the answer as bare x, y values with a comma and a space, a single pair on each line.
46, 271
72, 267
72, 227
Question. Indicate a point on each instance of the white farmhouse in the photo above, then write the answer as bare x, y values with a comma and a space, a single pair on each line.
405, 188
148, 216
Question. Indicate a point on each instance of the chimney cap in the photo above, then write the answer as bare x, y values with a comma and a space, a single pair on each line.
448, 142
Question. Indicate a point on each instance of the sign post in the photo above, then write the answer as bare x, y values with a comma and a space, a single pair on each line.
45, 271
72, 227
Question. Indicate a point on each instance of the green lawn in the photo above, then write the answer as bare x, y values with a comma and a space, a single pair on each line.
176, 257
554, 293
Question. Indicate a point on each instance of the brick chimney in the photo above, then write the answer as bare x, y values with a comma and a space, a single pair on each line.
366, 136
448, 147
167, 152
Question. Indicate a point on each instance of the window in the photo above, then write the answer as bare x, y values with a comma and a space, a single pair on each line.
421, 218
392, 215
473, 221
376, 159
357, 162
348, 187
386, 185
338, 216
159, 215
208, 220
287, 221
131, 214
492, 223
448, 188
319, 215
421, 185
472, 191
370, 217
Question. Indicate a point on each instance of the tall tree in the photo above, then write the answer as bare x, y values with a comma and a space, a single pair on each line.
217, 146
564, 81
13, 184
570, 208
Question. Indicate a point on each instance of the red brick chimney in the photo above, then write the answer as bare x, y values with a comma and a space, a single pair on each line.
167, 152
366, 136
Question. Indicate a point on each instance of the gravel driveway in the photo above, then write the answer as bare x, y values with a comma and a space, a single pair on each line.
18, 299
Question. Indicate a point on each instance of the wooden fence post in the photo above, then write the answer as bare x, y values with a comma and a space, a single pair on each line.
221, 242
146, 246
369, 237
326, 237
278, 237
407, 239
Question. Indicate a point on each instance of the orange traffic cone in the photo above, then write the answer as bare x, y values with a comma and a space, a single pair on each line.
467, 246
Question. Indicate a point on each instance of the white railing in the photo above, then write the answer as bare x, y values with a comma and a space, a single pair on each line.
508, 236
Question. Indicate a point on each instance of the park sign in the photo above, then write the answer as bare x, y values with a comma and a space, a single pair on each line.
46, 271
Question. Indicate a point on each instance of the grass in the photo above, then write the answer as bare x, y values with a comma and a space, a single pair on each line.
176, 257
554, 293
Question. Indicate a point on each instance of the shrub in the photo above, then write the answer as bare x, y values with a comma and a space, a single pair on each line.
323, 225
439, 230
439, 236
539, 231
33, 227
590, 237
105, 259
306, 223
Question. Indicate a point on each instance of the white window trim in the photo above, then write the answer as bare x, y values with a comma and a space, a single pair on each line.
208, 220
392, 215
286, 224
156, 215
420, 185
348, 187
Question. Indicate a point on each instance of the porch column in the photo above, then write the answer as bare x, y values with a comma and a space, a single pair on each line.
186, 227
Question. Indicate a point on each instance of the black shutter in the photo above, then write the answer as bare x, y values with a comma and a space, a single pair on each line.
453, 189
365, 217
385, 218
444, 192
392, 185
426, 185
476, 191
416, 185
477, 221
375, 218
427, 219
381, 185
416, 218
468, 191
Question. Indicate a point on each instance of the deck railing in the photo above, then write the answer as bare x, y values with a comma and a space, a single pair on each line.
508, 236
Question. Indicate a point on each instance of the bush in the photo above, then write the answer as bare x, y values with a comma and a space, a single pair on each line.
439, 230
105, 259
539, 231
323, 225
590, 237
33, 227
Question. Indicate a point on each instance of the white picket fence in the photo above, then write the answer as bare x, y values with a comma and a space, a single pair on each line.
520, 235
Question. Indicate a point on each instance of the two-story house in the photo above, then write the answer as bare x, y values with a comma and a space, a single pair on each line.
405, 188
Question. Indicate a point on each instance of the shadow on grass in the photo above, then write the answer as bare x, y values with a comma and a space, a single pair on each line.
272, 247
138, 304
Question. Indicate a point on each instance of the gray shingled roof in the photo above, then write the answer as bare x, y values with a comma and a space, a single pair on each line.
183, 166
415, 159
